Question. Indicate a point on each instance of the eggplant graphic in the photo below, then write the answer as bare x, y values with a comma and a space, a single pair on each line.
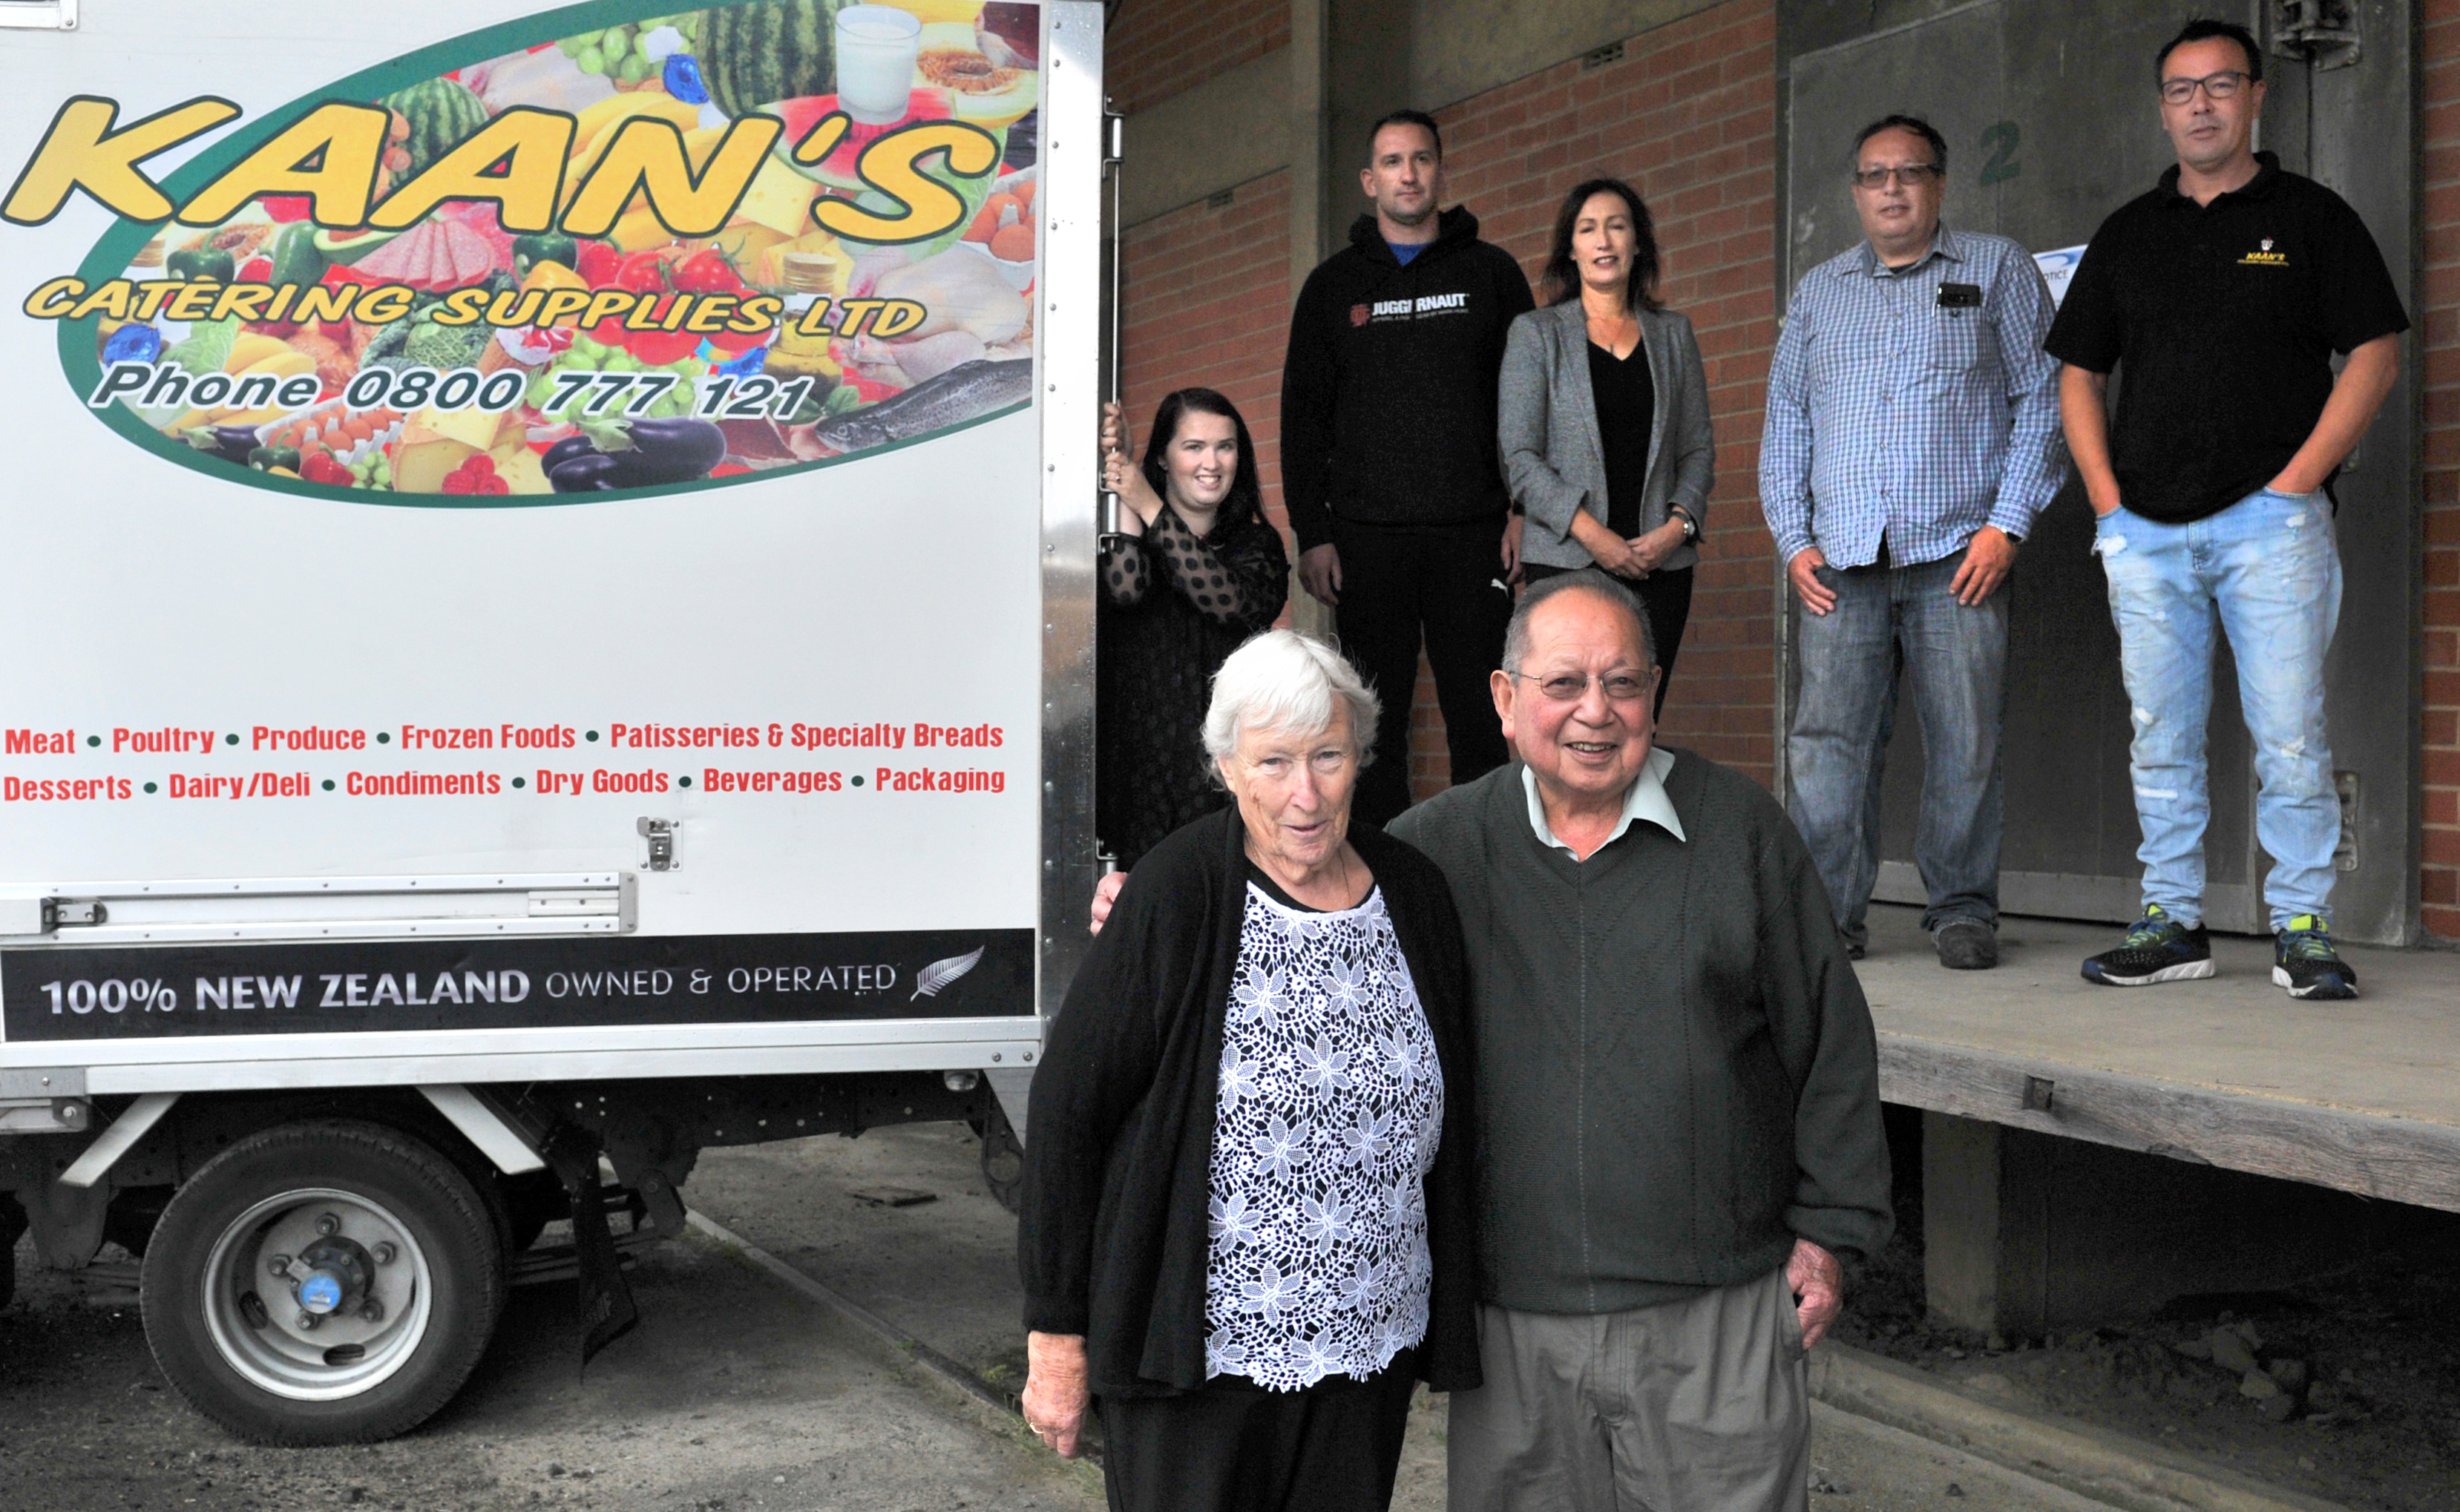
634, 453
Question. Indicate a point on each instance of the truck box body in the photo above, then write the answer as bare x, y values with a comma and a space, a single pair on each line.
552, 628
428, 768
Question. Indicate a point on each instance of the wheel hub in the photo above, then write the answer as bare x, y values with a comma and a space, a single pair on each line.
336, 1279
316, 1294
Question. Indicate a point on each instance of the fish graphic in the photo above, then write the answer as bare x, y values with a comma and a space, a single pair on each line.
964, 392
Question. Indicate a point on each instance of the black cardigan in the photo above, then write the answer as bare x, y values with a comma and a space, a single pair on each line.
1112, 1238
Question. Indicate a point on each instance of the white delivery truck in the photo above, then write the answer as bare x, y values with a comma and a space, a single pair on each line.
553, 625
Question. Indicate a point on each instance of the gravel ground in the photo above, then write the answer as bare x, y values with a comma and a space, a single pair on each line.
945, 1271
731, 1395
2374, 1421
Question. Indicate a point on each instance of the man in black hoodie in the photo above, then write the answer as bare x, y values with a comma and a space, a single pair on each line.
1389, 460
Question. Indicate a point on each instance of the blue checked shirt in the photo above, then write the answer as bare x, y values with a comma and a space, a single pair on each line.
1887, 412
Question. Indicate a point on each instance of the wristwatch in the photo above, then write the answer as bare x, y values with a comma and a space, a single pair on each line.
1691, 526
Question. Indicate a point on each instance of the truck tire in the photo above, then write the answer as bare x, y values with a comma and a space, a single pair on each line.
377, 1238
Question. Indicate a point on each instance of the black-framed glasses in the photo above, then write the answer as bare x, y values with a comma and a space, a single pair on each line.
1913, 176
2216, 86
1570, 687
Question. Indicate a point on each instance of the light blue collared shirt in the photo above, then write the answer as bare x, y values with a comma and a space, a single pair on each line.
1645, 799
1888, 411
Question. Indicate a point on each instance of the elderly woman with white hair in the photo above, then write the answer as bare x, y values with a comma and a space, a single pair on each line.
1246, 1229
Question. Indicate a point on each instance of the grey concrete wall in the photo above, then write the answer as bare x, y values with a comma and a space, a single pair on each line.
1349, 61
1460, 47
1233, 127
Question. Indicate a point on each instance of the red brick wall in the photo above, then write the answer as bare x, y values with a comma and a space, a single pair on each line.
1162, 47
2439, 160
1208, 299
1689, 117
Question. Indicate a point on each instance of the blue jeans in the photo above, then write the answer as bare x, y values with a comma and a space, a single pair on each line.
2268, 567
1887, 618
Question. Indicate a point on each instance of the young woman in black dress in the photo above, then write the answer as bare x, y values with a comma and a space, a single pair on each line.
1195, 569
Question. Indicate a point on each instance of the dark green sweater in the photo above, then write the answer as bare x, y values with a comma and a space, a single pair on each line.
1677, 1072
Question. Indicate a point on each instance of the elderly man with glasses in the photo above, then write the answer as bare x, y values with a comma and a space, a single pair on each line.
1678, 1094
1911, 438
2220, 297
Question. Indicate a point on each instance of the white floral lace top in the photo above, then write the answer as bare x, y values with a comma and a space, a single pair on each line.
1330, 1108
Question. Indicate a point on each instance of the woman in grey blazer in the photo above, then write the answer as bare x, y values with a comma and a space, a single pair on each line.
1604, 415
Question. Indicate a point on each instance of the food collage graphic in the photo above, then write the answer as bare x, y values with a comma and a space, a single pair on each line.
846, 263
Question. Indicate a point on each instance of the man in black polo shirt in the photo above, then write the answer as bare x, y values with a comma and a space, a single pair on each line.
2221, 296
1389, 463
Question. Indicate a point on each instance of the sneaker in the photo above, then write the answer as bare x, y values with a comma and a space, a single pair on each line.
1965, 944
2304, 961
2158, 949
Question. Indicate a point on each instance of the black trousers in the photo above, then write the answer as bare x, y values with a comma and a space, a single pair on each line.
1236, 1447
1667, 596
1443, 583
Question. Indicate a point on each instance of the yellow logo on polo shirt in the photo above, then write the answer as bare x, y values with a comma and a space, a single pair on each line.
2264, 256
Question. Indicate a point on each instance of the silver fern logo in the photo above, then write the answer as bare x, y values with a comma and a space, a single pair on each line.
940, 972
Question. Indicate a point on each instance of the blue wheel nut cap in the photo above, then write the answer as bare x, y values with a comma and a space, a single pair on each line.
321, 1291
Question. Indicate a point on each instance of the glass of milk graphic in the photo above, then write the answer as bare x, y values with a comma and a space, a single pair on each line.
876, 47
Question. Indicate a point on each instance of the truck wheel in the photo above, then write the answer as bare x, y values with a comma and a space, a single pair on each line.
1003, 1159
323, 1283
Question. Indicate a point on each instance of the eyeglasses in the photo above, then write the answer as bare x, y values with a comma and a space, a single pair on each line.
2216, 86
1570, 687
1913, 176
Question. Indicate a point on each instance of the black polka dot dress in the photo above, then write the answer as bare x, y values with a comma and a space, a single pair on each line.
1174, 605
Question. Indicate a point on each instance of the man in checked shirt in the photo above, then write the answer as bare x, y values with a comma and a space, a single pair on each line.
1912, 435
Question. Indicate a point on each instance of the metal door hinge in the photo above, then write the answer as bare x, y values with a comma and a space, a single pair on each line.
44, 1101
30, 918
1115, 137
72, 913
39, 15
661, 835
51, 1116
2323, 33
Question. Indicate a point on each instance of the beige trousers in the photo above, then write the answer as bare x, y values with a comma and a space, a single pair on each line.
1695, 1406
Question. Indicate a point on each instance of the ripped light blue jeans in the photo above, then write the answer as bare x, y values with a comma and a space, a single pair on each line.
2269, 571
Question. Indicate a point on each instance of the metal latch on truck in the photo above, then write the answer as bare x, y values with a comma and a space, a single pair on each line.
661, 835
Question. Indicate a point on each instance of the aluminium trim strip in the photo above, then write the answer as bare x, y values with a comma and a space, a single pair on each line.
563, 1065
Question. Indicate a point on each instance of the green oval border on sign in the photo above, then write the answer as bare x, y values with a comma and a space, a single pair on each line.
82, 365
